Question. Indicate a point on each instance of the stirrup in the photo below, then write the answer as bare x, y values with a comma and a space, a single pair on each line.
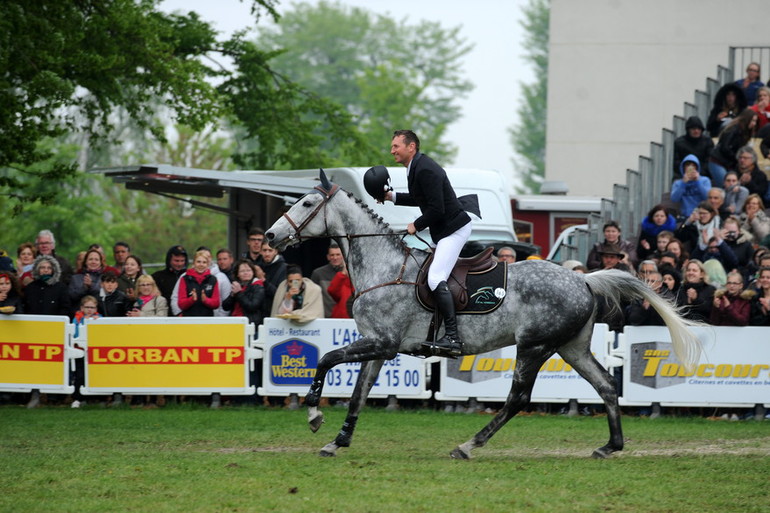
444, 347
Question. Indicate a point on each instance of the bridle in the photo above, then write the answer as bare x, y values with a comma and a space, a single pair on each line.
327, 195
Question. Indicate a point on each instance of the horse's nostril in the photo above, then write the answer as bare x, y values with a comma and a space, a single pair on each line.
270, 235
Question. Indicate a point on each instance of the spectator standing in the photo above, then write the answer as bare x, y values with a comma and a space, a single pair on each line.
112, 301
10, 299
716, 249
750, 84
222, 282
87, 282
297, 298
754, 220
703, 223
732, 305
323, 276
762, 107
46, 245
735, 136
506, 254
656, 221
176, 264
274, 267
749, 175
46, 295
225, 262
677, 248
198, 288
120, 251
248, 292
341, 289
729, 102
254, 240
695, 293
639, 313
760, 303
689, 191
26, 254
735, 193
612, 257
612, 236
671, 278
127, 281
739, 241
693, 142
149, 301
716, 199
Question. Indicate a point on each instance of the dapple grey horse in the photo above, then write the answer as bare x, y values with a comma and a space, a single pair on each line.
546, 310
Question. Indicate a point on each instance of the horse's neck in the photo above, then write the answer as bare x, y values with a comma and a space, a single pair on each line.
375, 255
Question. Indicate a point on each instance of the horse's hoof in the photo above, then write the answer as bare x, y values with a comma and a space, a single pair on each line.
315, 422
602, 453
329, 450
459, 454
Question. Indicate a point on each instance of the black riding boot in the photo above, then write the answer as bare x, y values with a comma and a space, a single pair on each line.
449, 344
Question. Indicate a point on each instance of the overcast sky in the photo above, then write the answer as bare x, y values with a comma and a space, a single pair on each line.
495, 65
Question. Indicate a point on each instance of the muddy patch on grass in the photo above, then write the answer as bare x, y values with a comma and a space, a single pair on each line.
235, 450
749, 447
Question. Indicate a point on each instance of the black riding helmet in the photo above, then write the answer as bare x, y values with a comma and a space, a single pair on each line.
377, 182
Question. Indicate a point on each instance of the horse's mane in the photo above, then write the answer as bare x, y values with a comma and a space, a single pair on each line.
377, 219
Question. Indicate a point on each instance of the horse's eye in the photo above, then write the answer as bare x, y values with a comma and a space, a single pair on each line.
307, 204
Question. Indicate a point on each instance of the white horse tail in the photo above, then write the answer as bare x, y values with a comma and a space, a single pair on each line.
618, 286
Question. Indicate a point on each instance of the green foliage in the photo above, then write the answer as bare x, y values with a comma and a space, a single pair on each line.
386, 73
190, 458
528, 138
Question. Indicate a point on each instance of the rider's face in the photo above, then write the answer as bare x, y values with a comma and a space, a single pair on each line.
401, 151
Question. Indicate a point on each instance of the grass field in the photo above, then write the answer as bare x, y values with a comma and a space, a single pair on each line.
190, 458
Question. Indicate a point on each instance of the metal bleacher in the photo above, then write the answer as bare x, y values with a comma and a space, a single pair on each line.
651, 182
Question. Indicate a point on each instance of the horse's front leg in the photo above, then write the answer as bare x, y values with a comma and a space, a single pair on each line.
366, 379
362, 350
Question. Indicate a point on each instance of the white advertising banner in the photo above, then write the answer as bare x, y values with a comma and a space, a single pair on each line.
292, 353
734, 368
488, 376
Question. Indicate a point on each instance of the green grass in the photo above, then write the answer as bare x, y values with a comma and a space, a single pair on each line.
184, 458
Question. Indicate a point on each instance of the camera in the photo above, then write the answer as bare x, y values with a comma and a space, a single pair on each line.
295, 284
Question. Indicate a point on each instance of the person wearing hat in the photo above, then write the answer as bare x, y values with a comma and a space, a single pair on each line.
446, 216
693, 142
612, 235
612, 257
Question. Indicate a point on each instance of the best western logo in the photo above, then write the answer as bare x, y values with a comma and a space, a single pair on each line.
293, 362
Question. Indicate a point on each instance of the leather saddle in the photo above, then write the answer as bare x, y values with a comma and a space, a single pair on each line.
479, 264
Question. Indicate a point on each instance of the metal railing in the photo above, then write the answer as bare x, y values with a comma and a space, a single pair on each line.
648, 185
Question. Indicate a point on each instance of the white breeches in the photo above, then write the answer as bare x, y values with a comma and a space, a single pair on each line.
445, 255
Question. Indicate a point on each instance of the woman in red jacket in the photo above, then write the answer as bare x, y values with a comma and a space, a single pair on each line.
340, 289
198, 289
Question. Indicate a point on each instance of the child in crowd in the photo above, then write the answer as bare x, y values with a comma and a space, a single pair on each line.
112, 302
86, 312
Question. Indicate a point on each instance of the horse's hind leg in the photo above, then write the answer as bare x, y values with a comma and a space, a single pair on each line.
528, 363
366, 379
578, 354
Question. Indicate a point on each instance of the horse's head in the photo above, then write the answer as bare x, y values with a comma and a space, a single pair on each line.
306, 218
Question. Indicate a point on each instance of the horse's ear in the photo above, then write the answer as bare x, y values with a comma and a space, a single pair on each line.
325, 183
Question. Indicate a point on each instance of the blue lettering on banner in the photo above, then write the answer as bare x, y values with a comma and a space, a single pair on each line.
293, 362
345, 336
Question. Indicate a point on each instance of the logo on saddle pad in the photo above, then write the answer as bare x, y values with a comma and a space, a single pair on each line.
478, 284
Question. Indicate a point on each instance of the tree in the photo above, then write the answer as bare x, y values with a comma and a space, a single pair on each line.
528, 138
386, 73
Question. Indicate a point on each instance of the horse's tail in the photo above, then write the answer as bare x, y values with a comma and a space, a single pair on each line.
618, 286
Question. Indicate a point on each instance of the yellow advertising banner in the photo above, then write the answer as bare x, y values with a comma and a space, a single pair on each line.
166, 356
32, 351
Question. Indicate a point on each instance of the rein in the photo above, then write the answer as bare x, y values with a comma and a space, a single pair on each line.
327, 194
